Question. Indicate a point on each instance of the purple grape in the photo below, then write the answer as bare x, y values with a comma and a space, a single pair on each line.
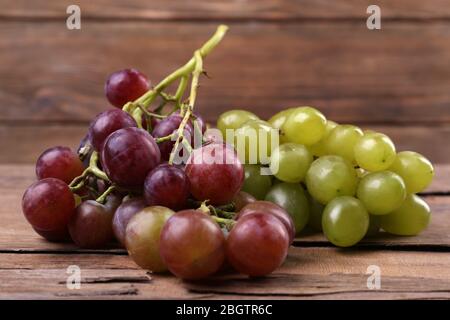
125, 85
60, 163
167, 186
123, 215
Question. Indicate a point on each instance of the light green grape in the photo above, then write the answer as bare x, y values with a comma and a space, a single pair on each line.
291, 197
254, 183
374, 152
345, 221
290, 162
330, 177
234, 119
278, 120
416, 170
381, 192
305, 125
408, 220
374, 225
254, 141
315, 213
342, 141
319, 148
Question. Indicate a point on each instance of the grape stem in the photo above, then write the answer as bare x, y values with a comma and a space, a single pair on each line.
223, 222
102, 198
93, 168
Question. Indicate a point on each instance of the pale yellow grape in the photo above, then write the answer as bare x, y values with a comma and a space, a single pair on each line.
290, 162
233, 119
342, 141
278, 120
305, 125
374, 152
319, 149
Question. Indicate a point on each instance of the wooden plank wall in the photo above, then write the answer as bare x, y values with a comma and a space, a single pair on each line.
278, 53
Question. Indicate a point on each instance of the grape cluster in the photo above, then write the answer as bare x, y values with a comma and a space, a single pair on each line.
335, 178
182, 198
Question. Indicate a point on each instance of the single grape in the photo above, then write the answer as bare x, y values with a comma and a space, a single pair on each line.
254, 141
129, 154
410, 219
233, 119
106, 123
48, 204
374, 152
61, 235
416, 171
290, 162
125, 85
374, 225
215, 173
315, 213
292, 198
319, 149
305, 125
91, 226
342, 141
192, 245
381, 192
242, 199
345, 221
256, 183
142, 237
167, 186
330, 177
277, 121
60, 163
257, 244
123, 214
267, 207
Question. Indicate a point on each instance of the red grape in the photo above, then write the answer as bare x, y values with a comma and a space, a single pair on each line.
60, 163
167, 186
192, 245
142, 237
106, 123
215, 173
257, 244
123, 214
128, 156
48, 204
54, 235
273, 209
125, 85
242, 199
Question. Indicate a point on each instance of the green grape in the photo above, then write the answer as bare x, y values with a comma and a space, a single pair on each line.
254, 141
342, 141
374, 152
315, 213
408, 220
330, 177
305, 125
255, 183
416, 170
345, 221
374, 225
278, 120
319, 148
291, 197
290, 162
234, 119
381, 192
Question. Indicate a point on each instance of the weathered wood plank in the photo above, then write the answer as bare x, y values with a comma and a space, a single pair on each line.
278, 10
310, 273
399, 75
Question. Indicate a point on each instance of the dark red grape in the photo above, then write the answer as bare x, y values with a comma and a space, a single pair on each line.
242, 199
257, 244
91, 226
192, 245
215, 173
166, 127
273, 209
125, 85
128, 155
213, 135
106, 123
60, 163
48, 204
54, 235
123, 215
167, 186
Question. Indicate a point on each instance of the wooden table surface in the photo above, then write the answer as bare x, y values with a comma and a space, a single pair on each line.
277, 54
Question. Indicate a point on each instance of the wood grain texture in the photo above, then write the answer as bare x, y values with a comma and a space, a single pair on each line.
279, 10
397, 75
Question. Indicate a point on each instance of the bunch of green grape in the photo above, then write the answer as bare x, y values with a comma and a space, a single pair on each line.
334, 178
